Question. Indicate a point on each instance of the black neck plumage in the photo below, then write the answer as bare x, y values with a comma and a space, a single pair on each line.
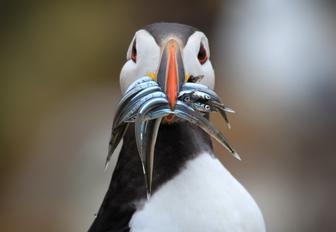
176, 144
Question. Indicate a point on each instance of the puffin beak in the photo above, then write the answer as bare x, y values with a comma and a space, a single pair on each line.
171, 74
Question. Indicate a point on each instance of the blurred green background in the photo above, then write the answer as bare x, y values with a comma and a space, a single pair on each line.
275, 64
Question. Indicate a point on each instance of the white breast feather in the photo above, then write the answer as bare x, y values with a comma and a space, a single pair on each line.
204, 197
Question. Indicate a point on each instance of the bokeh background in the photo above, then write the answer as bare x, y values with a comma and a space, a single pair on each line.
275, 63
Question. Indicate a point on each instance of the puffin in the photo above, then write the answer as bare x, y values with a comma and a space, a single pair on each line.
167, 177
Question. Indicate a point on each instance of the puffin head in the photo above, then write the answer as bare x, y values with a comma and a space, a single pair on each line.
171, 54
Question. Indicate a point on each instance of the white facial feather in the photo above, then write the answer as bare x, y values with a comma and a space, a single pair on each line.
191, 63
148, 57
149, 54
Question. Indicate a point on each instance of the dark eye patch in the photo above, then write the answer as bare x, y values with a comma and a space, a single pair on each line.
134, 52
202, 55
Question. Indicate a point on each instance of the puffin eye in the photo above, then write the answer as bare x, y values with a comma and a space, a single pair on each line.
202, 56
134, 52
